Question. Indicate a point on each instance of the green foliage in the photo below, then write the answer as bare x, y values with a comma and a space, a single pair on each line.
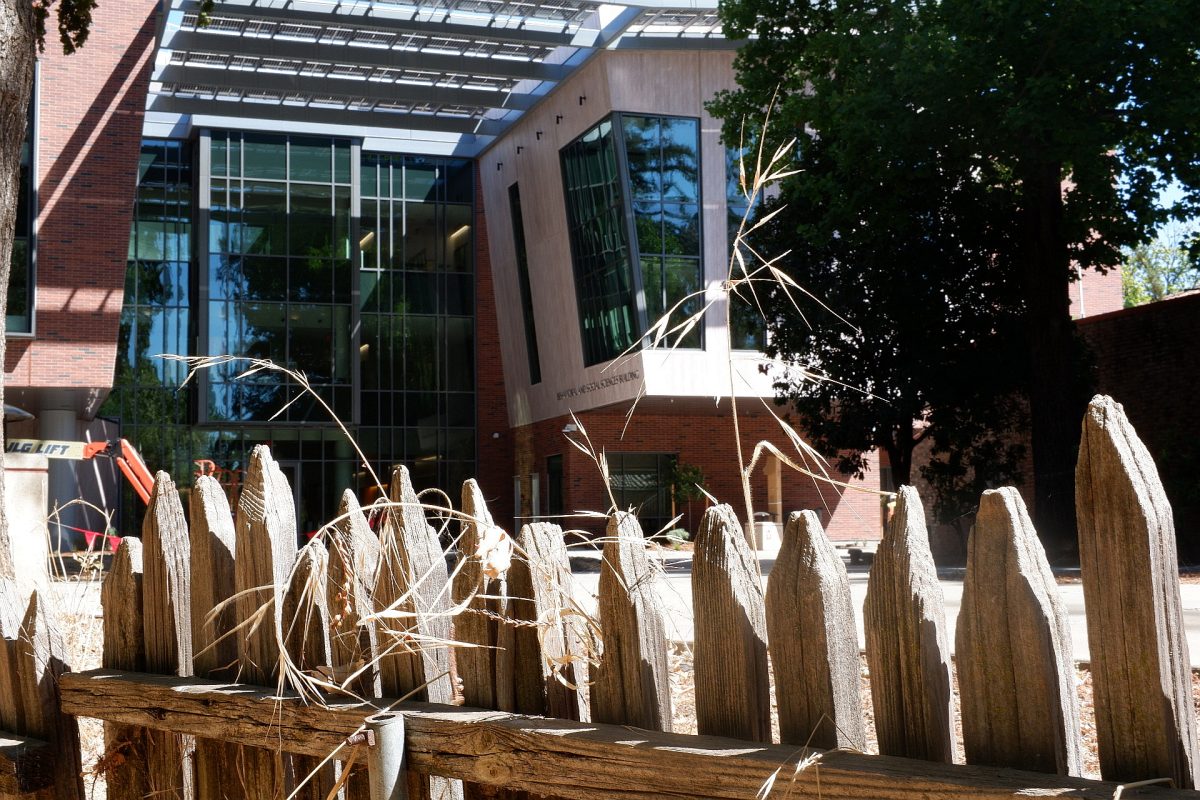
686, 480
1158, 269
970, 456
74, 22
957, 158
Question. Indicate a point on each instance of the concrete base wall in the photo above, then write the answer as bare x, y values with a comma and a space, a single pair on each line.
25, 485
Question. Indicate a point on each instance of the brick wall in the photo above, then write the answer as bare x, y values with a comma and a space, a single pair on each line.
1148, 359
494, 468
705, 440
90, 108
1096, 294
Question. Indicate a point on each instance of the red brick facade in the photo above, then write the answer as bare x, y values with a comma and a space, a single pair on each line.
703, 440
1148, 359
90, 108
1095, 293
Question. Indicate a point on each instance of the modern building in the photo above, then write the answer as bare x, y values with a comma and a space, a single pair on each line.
457, 222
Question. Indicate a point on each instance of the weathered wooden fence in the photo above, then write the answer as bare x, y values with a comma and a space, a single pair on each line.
266, 659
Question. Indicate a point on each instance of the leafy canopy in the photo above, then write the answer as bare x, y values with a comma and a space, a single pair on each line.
957, 158
74, 22
1158, 269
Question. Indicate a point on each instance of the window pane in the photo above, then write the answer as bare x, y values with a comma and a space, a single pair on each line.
265, 157
460, 354
421, 182
265, 198
683, 283
460, 181
642, 150
457, 255
681, 229
680, 159
459, 295
421, 352
311, 161
310, 279
421, 292
421, 236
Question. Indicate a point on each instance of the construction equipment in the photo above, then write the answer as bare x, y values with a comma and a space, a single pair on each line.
126, 456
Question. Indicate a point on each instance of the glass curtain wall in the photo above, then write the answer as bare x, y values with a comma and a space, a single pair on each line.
287, 275
632, 187
664, 183
279, 277
417, 278
156, 319
609, 317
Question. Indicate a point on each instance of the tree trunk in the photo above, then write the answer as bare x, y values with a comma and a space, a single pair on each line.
17, 56
1055, 400
900, 456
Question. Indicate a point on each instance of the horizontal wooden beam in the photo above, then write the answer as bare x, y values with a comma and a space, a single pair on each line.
560, 758
26, 765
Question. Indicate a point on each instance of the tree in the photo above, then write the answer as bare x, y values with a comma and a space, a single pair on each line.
1158, 269
1021, 138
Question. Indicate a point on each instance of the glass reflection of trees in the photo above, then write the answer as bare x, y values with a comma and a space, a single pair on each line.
663, 154
279, 274
156, 319
662, 188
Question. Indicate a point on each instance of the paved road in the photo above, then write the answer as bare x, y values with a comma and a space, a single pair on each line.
674, 590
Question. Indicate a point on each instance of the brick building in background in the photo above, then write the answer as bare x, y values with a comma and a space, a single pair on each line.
460, 225
335, 189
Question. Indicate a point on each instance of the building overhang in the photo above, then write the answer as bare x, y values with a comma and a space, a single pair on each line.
443, 78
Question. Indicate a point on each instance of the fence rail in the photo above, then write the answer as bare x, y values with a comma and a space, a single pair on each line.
560, 758
228, 596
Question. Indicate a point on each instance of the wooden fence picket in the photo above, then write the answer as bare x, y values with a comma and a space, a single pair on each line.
631, 684
167, 628
1016, 670
413, 579
814, 640
353, 560
1141, 673
213, 549
551, 658
124, 648
306, 637
30, 668
908, 652
486, 670
265, 549
354, 639
733, 692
